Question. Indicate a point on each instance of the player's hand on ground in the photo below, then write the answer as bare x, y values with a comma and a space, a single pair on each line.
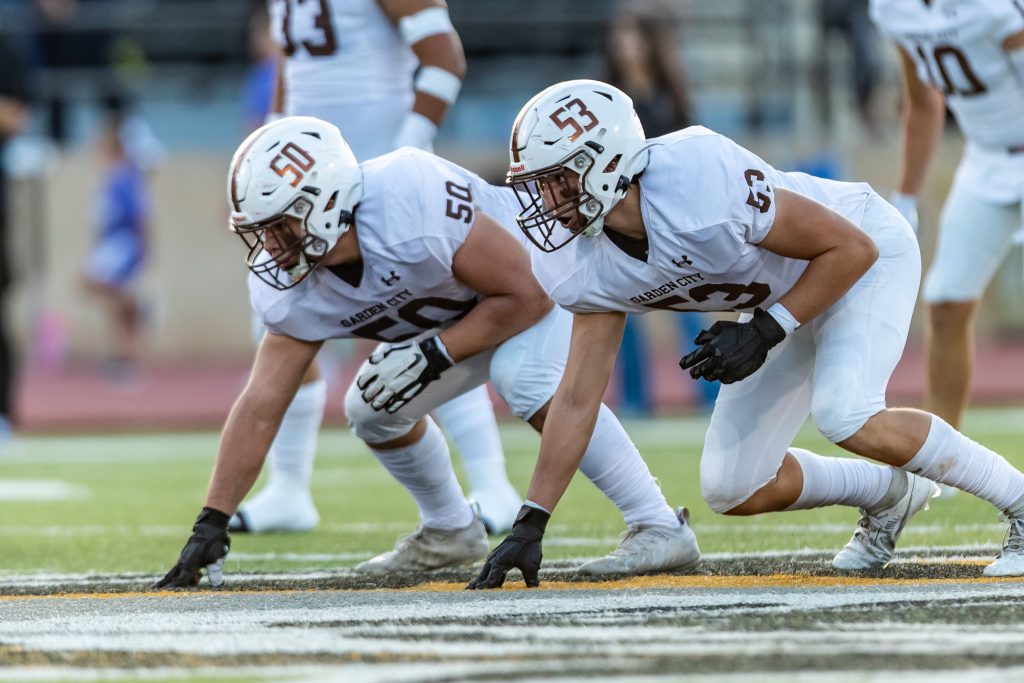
396, 374
730, 351
520, 550
206, 548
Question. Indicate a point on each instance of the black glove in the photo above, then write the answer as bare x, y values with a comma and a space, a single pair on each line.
520, 550
206, 547
396, 374
731, 351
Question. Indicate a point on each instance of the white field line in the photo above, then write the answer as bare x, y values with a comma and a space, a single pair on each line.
31, 674
602, 625
300, 557
55, 530
445, 671
36, 490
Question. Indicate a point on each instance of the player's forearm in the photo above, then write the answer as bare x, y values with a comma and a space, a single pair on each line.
922, 127
243, 448
443, 52
492, 321
277, 97
828, 277
567, 430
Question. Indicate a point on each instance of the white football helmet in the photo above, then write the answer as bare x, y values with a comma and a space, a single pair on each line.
575, 149
293, 185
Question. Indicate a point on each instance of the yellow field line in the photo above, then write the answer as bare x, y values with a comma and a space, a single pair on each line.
631, 583
702, 581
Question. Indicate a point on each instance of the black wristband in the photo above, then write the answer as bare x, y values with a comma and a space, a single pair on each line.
214, 518
533, 517
437, 360
765, 323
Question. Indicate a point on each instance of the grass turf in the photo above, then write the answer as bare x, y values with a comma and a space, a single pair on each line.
134, 499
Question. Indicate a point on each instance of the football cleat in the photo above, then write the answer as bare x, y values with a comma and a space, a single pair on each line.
648, 548
874, 541
277, 508
428, 549
499, 506
1011, 558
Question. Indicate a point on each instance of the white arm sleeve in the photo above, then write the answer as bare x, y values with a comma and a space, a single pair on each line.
427, 22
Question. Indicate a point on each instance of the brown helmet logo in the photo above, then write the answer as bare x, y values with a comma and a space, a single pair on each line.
300, 163
564, 118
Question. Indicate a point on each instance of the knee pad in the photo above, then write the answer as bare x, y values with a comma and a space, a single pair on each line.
720, 491
839, 415
525, 382
370, 425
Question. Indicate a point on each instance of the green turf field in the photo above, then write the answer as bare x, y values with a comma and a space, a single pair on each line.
126, 503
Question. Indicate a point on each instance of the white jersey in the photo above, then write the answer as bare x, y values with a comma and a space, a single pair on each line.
404, 286
706, 204
956, 46
341, 51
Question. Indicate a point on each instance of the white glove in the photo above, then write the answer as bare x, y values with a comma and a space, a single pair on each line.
906, 204
416, 131
394, 375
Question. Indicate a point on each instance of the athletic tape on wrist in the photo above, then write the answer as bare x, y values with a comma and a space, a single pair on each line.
426, 22
783, 317
443, 349
433, 80
530, 503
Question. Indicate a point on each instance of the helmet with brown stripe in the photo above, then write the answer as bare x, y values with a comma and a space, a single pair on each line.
292, 188
575, 149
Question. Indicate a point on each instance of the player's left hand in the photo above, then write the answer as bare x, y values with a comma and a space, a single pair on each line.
732, 351
520, 550
206, 548
395, 375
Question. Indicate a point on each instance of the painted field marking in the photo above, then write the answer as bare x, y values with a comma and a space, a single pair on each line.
716, 582
631, 583
40, 489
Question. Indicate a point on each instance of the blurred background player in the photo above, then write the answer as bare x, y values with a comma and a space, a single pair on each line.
643, 60
969, 56
385, 72
14, 112
116, 260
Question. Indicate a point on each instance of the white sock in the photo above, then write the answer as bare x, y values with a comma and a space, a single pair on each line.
614, 464
425, 470
294, 448
469, 420
839, 481
949, 457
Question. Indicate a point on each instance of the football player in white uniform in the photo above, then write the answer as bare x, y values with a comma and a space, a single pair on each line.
403, 249
969, 55
826, 275
352, 63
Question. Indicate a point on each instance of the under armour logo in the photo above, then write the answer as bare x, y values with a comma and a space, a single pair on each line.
391, 280
685, 261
